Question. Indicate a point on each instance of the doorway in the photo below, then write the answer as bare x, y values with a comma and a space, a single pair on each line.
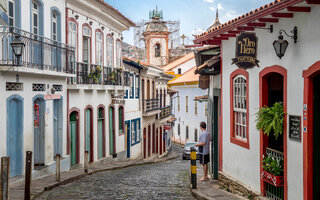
101, 133
89, 133
149, 141
127, 131
15, 134
57, 126
316, 136
144, 143
160, 141
112, 139
74, 137
39, 131
157, 141
153, 139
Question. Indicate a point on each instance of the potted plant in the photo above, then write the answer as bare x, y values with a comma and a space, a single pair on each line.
270, 119
95, 74
272, 170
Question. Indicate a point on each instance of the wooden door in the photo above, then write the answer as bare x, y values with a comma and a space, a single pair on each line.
73, 137
157, 141
112, 140
149, 141
160, 140
148, 89
101, 141
144, 143
57, 126
127, 131
39, 135
89, 134
153, 139
15, 135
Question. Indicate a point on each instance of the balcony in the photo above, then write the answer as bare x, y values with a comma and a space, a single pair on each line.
151, 107
165, 112
97, 76
40, 55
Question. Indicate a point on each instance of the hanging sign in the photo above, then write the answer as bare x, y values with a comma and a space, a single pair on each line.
36, 115
294, 127
246, 51
52, 96
167, 127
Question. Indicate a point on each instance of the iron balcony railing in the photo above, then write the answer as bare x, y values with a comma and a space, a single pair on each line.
39, 52
151, 105
96, 74
165, 112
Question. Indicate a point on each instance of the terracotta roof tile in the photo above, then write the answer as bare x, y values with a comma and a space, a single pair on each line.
178, 62
188, 76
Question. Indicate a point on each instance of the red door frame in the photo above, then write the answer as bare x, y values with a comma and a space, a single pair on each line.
144, 143
91, 132
263, 84
77, 134
149, 140
308, 76
153, 138
103, 130
160, 140
157, 142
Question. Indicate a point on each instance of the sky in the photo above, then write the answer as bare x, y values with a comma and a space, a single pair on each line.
195, 16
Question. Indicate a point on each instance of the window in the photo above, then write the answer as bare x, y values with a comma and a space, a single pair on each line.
179, 70
121, 120
179, 129
11, 13
186, 104
138, 130
157, 50
178, 103
73, 36
119, 53
137, 86
86, 44
133, 131
195, 108
196, 135
239, 114
99, 48
35, 18
54, 26
205, 109
131, 86
109, 51
187, 132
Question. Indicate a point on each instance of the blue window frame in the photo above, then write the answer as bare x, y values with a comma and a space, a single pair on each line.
55, 24
138, 130
127, 128
131, 86
137, 87
133, 132
126, 95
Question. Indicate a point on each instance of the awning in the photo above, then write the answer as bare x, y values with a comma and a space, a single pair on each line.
201, 98
172, 119
210, 67
171, 91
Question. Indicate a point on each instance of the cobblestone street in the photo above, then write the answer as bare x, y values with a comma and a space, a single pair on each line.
167, 180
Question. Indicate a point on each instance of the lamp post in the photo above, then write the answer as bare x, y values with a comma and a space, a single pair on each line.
280, 45
17, 48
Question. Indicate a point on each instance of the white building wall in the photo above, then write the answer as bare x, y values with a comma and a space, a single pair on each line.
297, 58
189, 118
185, 66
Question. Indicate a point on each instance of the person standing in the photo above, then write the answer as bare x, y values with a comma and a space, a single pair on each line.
203, 148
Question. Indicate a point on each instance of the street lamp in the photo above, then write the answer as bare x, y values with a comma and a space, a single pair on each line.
280, 45
17, 48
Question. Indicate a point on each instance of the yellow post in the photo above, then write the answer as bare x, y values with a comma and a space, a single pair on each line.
193, 158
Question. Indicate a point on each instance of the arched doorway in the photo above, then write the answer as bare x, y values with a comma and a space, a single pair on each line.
144, 143
89, 132
153, 139
273, 88
15, 134
149, 140
101, 132
112, 135
74, 137
311, 132
39, 107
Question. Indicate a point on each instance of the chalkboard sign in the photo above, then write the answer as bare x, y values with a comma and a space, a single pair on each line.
295, 127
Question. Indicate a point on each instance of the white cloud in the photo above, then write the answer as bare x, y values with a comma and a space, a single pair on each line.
211, 8
220, 6
231, 14
209, 1
197, 31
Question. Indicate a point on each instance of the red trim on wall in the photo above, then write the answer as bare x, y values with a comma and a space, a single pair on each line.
233, 139
263, 96
91, 132
87, 25
95, 37
308, 93
113, 126
78, 134
109, 35
103, 130
67, 35
121, 106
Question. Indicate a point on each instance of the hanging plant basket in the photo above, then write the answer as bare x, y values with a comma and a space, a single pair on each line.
272, 179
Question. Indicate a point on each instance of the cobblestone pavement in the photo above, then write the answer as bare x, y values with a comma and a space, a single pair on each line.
166, 180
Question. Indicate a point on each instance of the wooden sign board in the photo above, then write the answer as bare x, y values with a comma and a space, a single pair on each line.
295, 127
118, 101
246, 51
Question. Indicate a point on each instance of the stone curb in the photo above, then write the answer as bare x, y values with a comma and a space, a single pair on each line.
198, 195
77, 177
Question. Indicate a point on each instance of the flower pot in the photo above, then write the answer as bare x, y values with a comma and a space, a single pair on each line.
272, 179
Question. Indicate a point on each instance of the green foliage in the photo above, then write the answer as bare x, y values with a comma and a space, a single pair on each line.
272, 165
270, 119
95, 74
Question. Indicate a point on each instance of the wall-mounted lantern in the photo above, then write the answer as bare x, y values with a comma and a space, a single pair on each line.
280, 45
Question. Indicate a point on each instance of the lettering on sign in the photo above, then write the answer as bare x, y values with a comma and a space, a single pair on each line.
118, 101
246, 51
295, 127
52, 96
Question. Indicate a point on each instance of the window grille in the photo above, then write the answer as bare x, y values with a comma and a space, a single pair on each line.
240, 107
14, 86
38, 87
58, 88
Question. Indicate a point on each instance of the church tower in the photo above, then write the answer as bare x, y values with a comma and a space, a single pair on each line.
156, 38
216, 21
